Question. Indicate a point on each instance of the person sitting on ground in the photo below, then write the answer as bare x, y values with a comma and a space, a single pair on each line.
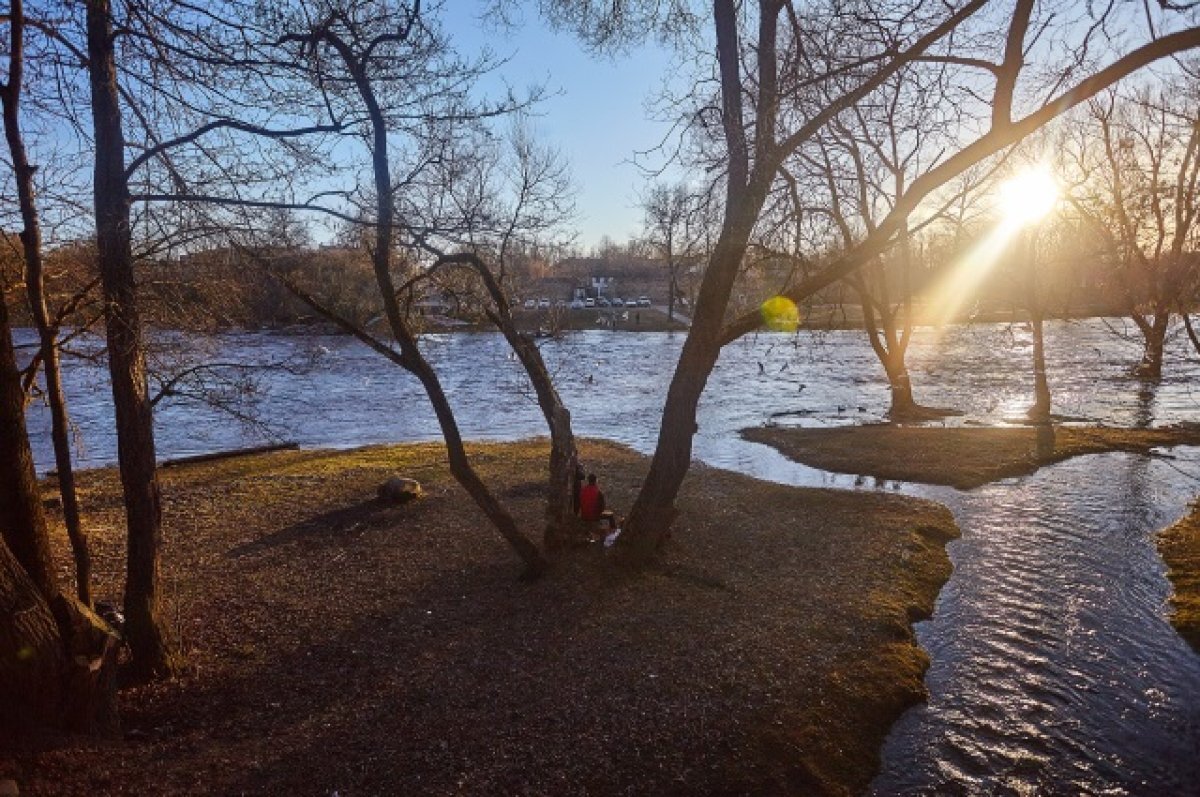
591, 504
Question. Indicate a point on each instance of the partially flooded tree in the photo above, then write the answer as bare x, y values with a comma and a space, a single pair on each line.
1136, 155
863, 161
769, 55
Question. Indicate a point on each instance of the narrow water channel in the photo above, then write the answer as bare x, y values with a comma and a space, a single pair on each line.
1054, 670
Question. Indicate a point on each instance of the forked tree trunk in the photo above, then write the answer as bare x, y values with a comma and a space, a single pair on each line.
151, 654
31, 243
563, 454
410, 353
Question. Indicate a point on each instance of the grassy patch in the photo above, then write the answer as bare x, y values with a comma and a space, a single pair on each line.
962, 457
336, 643
1180, 549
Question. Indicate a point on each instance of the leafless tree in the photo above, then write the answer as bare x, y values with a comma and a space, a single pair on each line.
1136, 159
35, 286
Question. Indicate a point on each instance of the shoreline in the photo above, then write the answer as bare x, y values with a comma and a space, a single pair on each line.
334, 643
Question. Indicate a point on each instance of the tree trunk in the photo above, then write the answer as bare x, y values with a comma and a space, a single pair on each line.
654, 510
33, 661
1040, 411
58, 661
151, 653
21, 518
31, 243
1154, 337
902, 405
563, 454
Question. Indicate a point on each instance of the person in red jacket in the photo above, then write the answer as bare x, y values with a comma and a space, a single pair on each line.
591, 503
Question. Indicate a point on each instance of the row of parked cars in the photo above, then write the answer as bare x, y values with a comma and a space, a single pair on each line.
581, 304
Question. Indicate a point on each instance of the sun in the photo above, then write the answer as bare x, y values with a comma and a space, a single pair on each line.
1028, 196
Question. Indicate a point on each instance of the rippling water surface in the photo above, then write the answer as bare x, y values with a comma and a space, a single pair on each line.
1054, 670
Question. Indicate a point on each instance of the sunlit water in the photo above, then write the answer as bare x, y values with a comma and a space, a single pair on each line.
1054, 670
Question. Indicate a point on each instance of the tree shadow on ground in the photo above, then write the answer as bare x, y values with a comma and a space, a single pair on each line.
334, 526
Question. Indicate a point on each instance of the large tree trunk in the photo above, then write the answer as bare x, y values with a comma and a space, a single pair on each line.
58, 661
31, 243
654, 508
21, 518
33, 661
144, 629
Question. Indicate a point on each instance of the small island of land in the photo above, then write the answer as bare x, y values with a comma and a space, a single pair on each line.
968, 457
337, 643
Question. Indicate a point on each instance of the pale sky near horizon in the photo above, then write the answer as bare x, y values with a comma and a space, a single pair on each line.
597, 113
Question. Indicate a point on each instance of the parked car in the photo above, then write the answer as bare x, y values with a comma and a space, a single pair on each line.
602, 302
577, 304
530, 304
589, 302
643, 301
618, 301
561, 303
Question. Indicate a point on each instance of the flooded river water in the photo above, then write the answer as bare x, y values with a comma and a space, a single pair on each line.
1054, 670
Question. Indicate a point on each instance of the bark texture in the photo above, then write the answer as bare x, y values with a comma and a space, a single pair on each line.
22, 521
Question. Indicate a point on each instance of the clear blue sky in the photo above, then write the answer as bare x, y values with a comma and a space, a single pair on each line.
597, 116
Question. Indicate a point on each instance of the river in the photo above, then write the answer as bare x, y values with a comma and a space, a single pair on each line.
1054, 670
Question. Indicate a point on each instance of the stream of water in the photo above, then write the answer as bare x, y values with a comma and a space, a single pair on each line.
1054, 669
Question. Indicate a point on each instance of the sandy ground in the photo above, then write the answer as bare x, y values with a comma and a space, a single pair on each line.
335, 644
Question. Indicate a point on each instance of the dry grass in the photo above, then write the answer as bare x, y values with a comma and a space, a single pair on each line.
1180, 549
963, 457
334, 643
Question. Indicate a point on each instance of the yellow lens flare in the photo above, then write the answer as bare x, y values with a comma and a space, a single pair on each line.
780, 314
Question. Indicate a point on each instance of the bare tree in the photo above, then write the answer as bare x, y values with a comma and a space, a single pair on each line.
1138, 191
373, 48
35, 285
674, 227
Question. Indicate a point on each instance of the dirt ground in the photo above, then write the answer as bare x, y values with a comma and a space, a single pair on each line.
969, 457
335, 644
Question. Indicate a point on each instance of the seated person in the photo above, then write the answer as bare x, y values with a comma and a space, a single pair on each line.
591, 504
